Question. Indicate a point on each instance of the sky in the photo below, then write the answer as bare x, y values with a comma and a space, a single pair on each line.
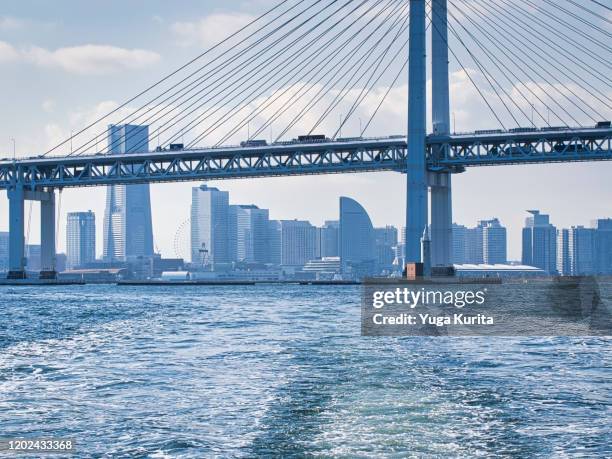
64, 62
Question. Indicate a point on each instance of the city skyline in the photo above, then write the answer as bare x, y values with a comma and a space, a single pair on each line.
89, 73
474, 240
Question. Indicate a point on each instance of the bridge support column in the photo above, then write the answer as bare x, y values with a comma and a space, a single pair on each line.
441, 218
440, 182
47, 236
416, 200
16, 237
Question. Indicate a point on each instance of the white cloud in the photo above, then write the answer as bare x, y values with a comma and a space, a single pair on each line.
92, 59
10, 23
209, 30
48, 105
7, 52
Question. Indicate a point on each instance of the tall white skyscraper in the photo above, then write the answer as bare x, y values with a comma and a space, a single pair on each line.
210, 228
564, 266
540, 242
249, 234
128, 228
80, 239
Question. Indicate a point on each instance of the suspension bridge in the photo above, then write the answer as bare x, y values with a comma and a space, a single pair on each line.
541, 70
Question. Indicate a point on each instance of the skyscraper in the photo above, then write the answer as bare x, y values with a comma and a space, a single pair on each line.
249, 234
329, 234
297, 242
4, 245
357, 242
385, 240
128, 229
80, 239
210, 226
494, 242
563, 256
581, 250
459, 255
603, 244
540, 242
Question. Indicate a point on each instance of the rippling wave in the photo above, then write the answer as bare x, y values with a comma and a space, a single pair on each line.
265, 371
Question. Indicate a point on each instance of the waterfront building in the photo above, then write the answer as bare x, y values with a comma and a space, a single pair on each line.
459, 254
494, 242
581, 249
248, 234
80, 239
4, 247
297, 242
540, 242
274, 241
328, 236
563, 255
128, 228
385, 239
210, 227
603, 244
357, 240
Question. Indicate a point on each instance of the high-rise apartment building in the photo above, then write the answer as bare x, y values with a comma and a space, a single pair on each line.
385, 239
564, 266
603, 244
4, 247
128, 228
494, 242
80, 239
328, 239
540, 242
297, 242
210, 228
248, 234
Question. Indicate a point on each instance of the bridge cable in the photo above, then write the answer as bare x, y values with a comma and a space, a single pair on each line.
223, 65
206, 132
373, 66
366, 90
296, 72
182, 116
170, 75
497, 62
326, 86
482, 96
602, 5
336, 78
540, 23
579, 19
526, 45
305, 85
512, 22
557, 19
588, 10
502, 47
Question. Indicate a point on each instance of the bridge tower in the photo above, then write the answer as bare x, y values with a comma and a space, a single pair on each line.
17, 195
419, 179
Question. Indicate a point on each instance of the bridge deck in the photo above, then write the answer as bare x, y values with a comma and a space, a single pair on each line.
453, 152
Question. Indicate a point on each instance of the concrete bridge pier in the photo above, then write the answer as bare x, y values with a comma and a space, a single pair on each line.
17, 264
16, 240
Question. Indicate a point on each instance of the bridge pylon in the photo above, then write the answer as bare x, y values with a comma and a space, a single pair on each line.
419, 179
